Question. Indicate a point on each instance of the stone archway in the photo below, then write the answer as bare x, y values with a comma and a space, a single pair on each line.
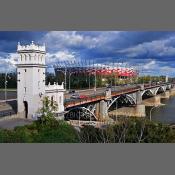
25, 109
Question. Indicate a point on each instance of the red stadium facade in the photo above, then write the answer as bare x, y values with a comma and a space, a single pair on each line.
91, 69
120, 71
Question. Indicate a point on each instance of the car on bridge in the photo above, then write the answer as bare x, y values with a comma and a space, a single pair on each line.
78, 96
83, 96
71, 91
75, 96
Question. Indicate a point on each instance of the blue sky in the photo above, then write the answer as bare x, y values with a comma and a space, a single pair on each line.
152, 52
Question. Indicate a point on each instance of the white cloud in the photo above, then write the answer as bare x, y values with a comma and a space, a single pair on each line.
154, 67
60, 56
150, 65
156, 48
7, 63
64, 39
74, 39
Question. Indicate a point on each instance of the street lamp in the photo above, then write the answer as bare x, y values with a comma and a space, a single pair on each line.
65, 73
150, 117
116, 109
70, 73
95, 83
5, 84
89, 80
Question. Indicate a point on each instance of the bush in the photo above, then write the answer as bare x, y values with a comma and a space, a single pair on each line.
89, 134
58, 132
53, 132
129, 130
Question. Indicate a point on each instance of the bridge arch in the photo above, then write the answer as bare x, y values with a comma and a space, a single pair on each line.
87, 113
168, 87
160, 89
126, 98
149, 92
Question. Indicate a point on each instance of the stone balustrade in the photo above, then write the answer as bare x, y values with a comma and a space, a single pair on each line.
55, 86
32, 46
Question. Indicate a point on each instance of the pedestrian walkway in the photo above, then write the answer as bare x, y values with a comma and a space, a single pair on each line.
11, 123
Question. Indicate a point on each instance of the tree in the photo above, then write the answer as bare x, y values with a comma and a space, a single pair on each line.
48, 110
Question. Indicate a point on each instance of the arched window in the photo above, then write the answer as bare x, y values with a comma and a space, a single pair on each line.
52, 101
60, 100
25, 57
29, 57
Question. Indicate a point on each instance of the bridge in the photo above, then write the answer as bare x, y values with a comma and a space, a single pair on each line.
97, 105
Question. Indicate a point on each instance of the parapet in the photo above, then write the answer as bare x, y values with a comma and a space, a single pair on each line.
32, 46
55, 86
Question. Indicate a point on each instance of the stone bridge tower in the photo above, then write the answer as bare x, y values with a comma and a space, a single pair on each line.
30, 78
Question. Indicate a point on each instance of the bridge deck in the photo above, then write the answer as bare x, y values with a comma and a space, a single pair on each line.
93, 96
101, 96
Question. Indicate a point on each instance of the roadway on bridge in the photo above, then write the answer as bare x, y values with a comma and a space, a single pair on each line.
13, 94
98, 90
88, 92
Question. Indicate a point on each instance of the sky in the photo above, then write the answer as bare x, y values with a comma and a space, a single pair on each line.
150, 51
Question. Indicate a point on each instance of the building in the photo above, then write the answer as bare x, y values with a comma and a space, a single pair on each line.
31, 88
65, 70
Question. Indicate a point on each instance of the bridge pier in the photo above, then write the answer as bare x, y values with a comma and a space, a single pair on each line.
134, 111
172, 91
103, 110
138, 97
97, 110
156, 100
140, 110
166, 94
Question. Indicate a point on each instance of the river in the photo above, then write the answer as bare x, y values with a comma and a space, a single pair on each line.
165, 113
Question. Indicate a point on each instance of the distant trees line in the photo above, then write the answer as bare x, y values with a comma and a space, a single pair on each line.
11, 79
83, 81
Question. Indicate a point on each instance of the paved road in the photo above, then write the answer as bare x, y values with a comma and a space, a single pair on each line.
10, 95
13, 94
11, 123
86, 92
98, 90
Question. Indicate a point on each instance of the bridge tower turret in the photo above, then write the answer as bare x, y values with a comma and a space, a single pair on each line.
30, 78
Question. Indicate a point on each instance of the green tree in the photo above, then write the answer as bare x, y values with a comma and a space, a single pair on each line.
48, 110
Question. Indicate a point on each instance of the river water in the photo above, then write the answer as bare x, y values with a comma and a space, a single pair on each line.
164, 113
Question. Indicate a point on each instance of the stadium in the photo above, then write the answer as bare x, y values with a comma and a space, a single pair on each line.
98, 69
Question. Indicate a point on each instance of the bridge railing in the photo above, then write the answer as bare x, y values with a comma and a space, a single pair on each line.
101, 96
94, 97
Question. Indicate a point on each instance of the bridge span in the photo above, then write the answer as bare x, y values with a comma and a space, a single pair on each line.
97, 105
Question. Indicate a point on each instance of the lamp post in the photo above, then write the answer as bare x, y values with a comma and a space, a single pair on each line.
5, 84
95, 86
115, 79
70, 73
150, 117
65, 74
89, 81
116, 109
